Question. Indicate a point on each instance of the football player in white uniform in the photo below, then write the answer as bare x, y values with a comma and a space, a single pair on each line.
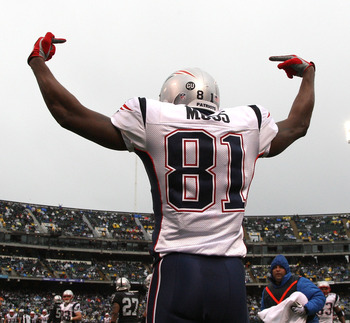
44, 317
200, 161
11, 317
107, 318
331, 306
70, 310
33, 317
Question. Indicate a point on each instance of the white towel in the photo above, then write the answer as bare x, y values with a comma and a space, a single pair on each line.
282, 312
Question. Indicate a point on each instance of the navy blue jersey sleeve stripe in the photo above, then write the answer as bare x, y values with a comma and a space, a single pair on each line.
143, 109
258, 114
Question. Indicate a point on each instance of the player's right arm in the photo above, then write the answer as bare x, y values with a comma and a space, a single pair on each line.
115, 312
64, 107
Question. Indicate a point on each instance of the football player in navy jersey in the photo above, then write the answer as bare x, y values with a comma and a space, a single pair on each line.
55, 311
200, 160
125, 303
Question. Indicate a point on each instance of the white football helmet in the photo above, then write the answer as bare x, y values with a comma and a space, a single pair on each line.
192, 87
122, 284
57, 299
326, 288
67, 296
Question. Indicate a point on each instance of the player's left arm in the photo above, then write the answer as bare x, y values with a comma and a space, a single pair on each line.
339, 313
298, 120
76, 313
115, 312
77, 316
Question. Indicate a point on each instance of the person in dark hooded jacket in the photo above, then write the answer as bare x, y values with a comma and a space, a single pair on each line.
283, 284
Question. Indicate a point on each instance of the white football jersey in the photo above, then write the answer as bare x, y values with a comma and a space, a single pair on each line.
44, 318
12, 319
326, 314
69, 310
200, 169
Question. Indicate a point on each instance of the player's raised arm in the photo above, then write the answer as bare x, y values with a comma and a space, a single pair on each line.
64, 107
298, 120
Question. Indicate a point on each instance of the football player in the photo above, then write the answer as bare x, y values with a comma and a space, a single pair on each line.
107, 318
44, 317
21, 314
25, 318
11, 317
55, 311
200, 160
70, 310
33, 317
146, 284
331, 306
125, 303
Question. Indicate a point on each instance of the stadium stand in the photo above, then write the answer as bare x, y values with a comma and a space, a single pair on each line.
46, 249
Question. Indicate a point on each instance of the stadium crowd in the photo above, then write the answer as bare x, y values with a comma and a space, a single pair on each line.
25, 217
94, 307
39, 219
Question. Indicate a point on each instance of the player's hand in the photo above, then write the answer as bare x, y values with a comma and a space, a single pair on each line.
44, 47
67, 318
292, 64
298, 309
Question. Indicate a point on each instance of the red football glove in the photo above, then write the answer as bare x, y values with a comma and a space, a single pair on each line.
44, 47
292, 65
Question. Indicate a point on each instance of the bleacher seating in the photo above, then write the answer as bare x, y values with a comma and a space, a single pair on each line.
124, 231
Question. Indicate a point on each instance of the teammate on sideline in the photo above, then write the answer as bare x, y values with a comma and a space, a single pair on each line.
33, 317
107, 318
125, 303
146, 284
44, 317
70, 310
11, 317
200, 161
331, 306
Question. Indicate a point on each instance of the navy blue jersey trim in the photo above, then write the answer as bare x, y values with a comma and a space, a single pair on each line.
156, 198
143, 109
258, 114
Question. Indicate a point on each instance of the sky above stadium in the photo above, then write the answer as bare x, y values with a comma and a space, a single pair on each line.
116, 50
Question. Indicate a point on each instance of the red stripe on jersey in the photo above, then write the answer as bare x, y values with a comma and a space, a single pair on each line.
125, 107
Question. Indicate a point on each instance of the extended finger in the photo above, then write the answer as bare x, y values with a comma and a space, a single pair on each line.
280, 58
58, 40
